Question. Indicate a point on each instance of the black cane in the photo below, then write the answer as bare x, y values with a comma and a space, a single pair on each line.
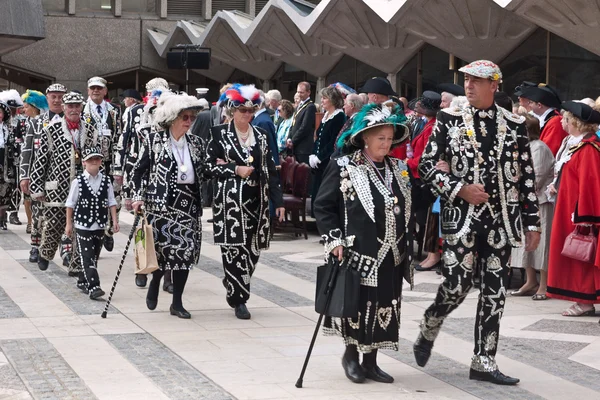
112, 290
330, 284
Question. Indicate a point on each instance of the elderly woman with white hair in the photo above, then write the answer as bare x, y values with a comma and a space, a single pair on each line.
167, 181
242, 164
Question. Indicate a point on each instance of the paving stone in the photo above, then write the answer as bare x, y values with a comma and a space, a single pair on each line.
63, 286
427, 287
570, 327
12, 241
262, 288
176, 378
36, 361
8, 308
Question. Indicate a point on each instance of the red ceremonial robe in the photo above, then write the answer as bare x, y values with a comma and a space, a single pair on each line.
578, 199
553, 133
418, 144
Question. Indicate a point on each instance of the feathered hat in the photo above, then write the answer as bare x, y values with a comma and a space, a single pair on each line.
239, 95
35, 99
371, 116
157, 83
344, 90
5, 110
170, 105
12, 98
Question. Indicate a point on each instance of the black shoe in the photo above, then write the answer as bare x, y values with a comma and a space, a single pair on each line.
141, 280
241, 312
82, 283
14, 219
66, 260
376, 374
168, 287
73, 273
3, 225
180, 313
432, 268
109, 243
496, 377
422, 350
42, 264
96, 293
151, 304
34, 254
353, 370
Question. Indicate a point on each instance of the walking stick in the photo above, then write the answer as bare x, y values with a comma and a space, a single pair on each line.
112, 290
329, 292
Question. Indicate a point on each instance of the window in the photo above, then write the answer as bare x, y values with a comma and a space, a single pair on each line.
229, 5
93, 5
139, 6
54, 5
192, 8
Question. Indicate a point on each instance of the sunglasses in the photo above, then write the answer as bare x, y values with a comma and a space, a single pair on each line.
187, 117
95, 88
246, 110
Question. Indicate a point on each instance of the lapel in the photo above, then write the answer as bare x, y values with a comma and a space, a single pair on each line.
66, 132
194, 153
500, 135
300, 110
232, 144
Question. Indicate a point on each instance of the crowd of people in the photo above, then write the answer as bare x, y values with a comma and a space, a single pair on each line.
464, 171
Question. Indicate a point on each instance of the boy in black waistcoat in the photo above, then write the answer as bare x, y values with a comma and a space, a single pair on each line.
90, 195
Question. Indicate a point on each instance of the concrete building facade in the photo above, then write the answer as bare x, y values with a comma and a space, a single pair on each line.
416, 44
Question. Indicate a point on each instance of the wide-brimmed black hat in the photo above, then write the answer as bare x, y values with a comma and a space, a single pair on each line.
451, 88
582, 111
134, 94
378, 85
524, 85
542, 93
428, 104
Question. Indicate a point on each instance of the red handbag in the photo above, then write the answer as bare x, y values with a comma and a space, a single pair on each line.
581, 247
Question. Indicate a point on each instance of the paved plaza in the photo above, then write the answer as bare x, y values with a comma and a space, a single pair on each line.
54, 345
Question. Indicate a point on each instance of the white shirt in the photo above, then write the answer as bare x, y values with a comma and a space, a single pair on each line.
181, 153
2, 139
542, 117
95, 182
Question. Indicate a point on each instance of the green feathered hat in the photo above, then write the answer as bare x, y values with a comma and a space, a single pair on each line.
371, 116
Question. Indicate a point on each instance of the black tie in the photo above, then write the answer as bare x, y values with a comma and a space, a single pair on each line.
99, 108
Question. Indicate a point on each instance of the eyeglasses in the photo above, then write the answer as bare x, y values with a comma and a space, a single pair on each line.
187, 117
245, 110
95, 88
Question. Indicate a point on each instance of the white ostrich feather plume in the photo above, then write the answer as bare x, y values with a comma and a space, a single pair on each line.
248, 91
170, 105
11, 94
377, 115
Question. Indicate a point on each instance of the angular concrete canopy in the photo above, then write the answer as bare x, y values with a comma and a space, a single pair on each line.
460, 26
575, 20
21, 23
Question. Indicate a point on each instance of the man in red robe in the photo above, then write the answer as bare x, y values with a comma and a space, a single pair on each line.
544, 102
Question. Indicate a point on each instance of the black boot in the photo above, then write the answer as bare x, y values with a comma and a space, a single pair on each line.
496, 377
66, 260
153, 289
42, 264
109, 243
179, 280
3, 223
82, 283
372, 370
14, 219
352, 368
141, 280
34, 253
93, 281
241, 312
168, 282
422, 350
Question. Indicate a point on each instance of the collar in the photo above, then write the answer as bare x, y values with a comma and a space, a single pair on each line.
94, 106
262, 110
90, 177
542, 117
327, 117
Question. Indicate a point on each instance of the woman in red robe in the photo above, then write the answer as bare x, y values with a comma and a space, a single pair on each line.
578, 204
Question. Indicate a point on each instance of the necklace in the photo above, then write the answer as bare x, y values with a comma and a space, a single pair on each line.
180, 145
387, 180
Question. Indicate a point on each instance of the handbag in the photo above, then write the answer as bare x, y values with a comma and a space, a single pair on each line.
338, 290
145, 254
581, 247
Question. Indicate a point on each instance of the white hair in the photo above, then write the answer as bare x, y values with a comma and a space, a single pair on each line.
274, 95
459, 102
170, 105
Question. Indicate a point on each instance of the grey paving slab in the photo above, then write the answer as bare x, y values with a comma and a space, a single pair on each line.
457, 375
63, 286
570, 327
43, 370
8, 308
11, 241
273, 293
551, 356
427, 287
9, 379
176, 378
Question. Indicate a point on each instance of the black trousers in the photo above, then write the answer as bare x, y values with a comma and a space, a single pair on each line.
486, 247
89, 244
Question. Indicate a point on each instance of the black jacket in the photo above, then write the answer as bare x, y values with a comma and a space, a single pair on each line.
303, 128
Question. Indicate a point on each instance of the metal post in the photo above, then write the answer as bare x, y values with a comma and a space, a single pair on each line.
548, 57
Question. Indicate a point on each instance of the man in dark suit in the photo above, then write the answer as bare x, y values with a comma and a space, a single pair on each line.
263, 120
201, 128
303, 125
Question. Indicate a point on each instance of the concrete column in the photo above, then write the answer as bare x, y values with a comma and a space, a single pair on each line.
393, 81
161, 8
207, 9
117, 7
71, 7
320, 86
251, 7
266, 85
